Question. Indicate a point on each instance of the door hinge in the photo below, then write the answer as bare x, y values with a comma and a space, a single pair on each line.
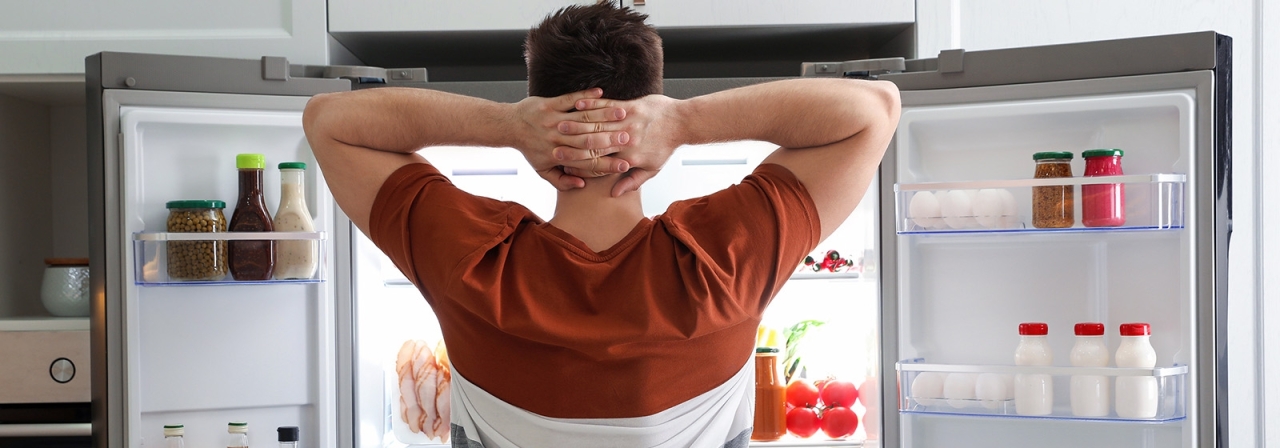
863, 68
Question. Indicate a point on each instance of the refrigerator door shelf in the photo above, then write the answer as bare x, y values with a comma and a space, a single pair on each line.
1150, 202
151, 256
923, 391
816, 440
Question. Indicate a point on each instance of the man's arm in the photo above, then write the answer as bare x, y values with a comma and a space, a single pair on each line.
832, 133
359, 138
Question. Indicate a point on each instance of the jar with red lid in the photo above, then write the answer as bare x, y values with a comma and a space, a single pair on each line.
1102, 204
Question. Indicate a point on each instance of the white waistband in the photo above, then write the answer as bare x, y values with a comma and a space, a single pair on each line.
717, 418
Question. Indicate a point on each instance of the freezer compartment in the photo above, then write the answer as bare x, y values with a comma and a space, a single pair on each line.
155, 256
1148, 202
990, 391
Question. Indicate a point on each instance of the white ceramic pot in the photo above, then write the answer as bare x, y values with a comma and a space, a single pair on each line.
65, 287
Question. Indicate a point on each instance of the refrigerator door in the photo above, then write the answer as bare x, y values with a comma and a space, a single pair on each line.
391, 314
963, 267
202, 354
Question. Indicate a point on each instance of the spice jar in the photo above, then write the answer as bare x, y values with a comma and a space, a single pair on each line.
771, 397
1053, 207
1102, 204
196, 260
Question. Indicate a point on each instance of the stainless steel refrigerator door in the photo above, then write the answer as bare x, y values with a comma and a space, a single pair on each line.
1191, 74
154, 84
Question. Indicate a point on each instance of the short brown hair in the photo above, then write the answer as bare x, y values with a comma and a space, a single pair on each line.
600, 45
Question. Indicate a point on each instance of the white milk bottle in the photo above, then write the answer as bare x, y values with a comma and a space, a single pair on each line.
1033, 392
295, 259
1090, 394
1136, 396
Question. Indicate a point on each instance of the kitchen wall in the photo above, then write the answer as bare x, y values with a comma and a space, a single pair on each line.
1254, 328
1267, 93
25, 209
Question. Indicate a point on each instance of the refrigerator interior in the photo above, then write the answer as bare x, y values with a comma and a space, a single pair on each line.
205, 355
963, 291
391, 312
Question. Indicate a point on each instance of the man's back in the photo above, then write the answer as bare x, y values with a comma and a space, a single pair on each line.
534, 316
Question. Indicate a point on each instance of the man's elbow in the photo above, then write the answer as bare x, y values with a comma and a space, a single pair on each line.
313, 115
888, 104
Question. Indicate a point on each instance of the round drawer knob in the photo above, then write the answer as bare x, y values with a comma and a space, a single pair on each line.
62, 370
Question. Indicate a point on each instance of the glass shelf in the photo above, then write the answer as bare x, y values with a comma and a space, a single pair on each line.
813, 442
151, 253
914, 399
1151, 202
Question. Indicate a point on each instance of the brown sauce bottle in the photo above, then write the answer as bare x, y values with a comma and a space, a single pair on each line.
253, 259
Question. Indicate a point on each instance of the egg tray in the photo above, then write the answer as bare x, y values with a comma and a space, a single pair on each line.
1151, 202
932, 389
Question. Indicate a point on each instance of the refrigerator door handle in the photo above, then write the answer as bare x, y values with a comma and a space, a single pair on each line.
274, 68
863, 69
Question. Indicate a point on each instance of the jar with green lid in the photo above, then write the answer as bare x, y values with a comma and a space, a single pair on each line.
1053, 207
196, 260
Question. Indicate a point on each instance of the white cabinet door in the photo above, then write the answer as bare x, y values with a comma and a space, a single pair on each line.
440, 15
54, 36
684, 13
495, 15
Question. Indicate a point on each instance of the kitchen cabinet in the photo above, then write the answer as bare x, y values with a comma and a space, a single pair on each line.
497, 15
43, 191
55, 36
482, 40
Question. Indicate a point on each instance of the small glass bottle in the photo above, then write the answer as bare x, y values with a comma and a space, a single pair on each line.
771, 413
252, 259
287, 436
295, 259
173, 436
1054, 206
1102, 205
237, 435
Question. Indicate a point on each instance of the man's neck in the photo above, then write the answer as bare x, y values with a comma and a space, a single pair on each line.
591, 215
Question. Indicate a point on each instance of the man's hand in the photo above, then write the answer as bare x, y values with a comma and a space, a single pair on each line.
565, 143
651, 124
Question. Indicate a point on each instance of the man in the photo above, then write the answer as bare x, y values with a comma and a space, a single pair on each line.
601, 327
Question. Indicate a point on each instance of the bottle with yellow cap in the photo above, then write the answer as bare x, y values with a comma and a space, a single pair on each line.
251, 259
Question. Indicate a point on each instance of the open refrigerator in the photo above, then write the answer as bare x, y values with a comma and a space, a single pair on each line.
321, 353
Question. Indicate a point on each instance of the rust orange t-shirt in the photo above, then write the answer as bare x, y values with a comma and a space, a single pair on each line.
536, 318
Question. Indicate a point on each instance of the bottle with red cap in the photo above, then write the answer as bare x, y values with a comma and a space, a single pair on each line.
1090, 394
1033, 393
1136, 396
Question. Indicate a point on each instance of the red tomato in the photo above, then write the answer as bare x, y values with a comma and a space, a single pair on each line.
839, 393
803, 422
822, 383
839, 422
801, 393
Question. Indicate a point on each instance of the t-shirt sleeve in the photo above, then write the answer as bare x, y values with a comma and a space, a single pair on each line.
751, 235
426, 225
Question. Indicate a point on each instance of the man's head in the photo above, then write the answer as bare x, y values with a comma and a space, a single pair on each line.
601, 45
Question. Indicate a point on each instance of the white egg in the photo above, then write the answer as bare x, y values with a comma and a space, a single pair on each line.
926, 388
1009, 218
957, 210
993, 389
924, 209
959, 389
988, 207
